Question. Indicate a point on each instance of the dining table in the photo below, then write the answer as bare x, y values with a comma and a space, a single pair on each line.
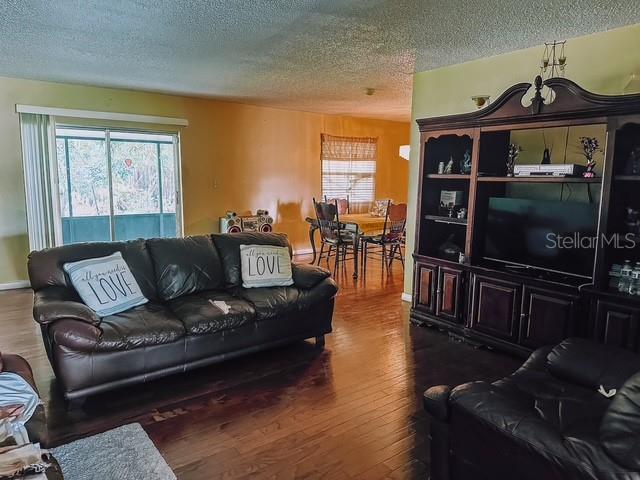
359, 223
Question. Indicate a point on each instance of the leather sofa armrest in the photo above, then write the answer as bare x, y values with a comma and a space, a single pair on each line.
322, 292
74, 334
307, 276
436, 402
57, 303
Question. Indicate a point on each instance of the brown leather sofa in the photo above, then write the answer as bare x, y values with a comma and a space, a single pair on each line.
546, 421
178, 329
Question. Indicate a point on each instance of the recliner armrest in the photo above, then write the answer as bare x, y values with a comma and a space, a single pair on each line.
307, 276
436, 402
57, 303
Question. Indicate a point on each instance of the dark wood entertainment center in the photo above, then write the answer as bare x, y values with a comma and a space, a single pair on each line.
499, 304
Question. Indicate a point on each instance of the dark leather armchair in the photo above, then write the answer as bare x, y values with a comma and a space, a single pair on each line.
547, 421
179, 328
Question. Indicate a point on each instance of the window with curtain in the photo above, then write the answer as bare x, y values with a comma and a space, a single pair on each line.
349, 169
98, 184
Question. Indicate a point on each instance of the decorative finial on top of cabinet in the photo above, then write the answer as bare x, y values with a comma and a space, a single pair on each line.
537, 101
538, 83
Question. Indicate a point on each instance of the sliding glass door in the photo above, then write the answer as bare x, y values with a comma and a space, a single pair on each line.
117, 185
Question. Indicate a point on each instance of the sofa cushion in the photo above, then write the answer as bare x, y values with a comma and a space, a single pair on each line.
620, 428
185, 265
143, 326
270, 302
592, 364
45, 266
200, 316
228, 246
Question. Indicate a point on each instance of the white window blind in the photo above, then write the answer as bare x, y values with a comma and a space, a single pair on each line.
349, 169
40, 178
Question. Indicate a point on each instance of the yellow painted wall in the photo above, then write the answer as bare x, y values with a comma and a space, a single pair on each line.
261, 158
602, 63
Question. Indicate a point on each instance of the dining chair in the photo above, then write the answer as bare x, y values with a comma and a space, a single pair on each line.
391, 238
343, 204
333, 234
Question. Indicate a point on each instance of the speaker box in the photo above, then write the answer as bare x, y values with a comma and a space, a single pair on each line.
233, 223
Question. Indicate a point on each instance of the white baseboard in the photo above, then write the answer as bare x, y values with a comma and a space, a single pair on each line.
15, 285
406, 297
303, 251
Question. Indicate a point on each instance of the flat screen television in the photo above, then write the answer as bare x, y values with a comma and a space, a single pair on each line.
556, 236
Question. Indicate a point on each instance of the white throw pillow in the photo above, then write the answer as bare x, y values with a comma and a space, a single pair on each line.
265, 266
105, 284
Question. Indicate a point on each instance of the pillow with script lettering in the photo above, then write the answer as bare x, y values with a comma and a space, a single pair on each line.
265, 266
105, 284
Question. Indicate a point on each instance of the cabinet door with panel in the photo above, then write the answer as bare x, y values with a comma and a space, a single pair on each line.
425, 285
496, 307
547, 317
450, 294
617, 325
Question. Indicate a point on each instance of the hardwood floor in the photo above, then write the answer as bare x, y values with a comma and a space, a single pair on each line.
350, 411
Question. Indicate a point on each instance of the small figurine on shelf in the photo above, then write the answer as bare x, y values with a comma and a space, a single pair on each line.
465, 163
590, 146
514, 151
448, 169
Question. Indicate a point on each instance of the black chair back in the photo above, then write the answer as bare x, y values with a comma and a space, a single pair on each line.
328, 220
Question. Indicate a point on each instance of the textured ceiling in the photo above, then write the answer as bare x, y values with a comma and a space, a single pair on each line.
309, 55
